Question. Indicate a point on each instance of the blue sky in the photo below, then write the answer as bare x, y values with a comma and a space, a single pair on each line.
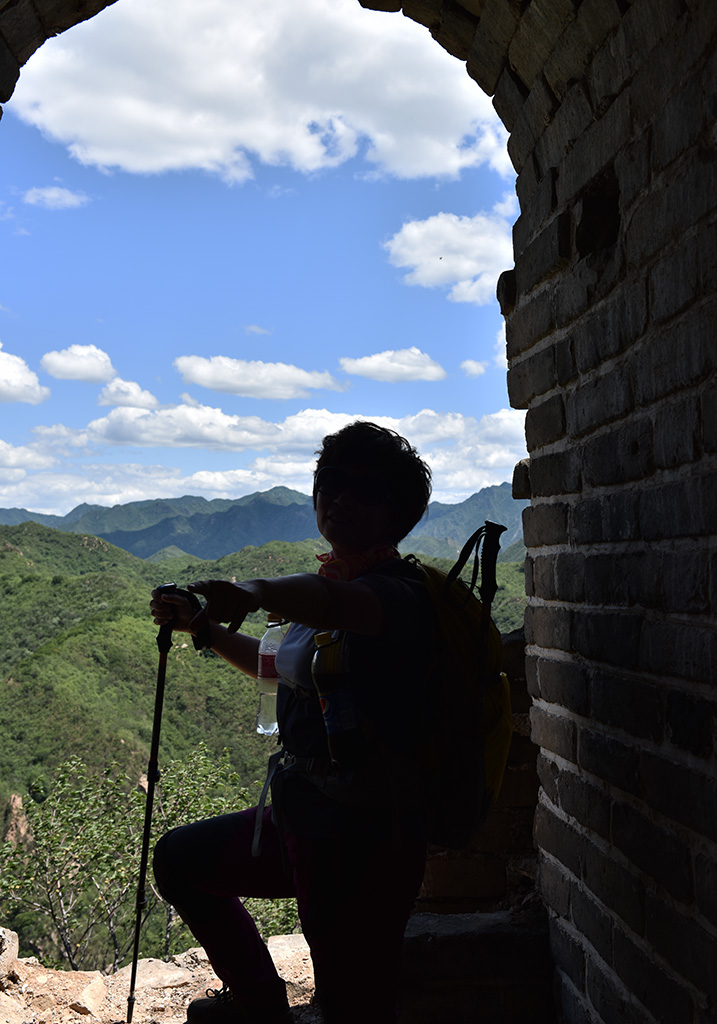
227, 232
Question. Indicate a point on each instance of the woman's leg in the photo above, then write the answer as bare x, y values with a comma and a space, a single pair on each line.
355, 900
202, 869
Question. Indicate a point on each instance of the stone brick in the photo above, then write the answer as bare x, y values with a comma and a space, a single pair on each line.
509, 97
585, 802
9, 72
555, 886
527, 182
531, 376
612, 517
680, 793
489, 51
558, 473
706, 885
557, 838
613, 327
556, 733
674, 281
563, 682
666, 1000
677, 124
625, 578
548, 627
533, 318
620, 456
539, 211
679, 649
574, 1004
628, 703
548, 772
654, 850
683, 508
545, 255
545, 524
597, 402
685, 945
632, 167
656, 372
691, 723
591, 920
505, 292
455, 30
567, 951
610, 759
545, 422
615, 886
609, 637
22, 31
520, 487
570, 59
668, 212
677, 433
565, 368
610, 999
573, 116
544, 577
593, 153
570, 577
685, 580
425, 12
534, 40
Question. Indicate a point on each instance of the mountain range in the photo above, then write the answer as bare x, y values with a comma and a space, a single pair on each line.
209, 529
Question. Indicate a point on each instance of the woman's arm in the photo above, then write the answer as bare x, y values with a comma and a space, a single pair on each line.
304, 598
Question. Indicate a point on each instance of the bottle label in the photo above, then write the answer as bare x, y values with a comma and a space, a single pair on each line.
267, 666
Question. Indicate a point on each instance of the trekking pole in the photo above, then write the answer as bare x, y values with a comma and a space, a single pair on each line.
488, 581
164, 644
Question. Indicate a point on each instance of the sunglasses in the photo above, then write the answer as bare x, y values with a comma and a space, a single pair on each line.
368, 490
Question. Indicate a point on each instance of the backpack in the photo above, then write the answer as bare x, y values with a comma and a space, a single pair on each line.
468, 717
467, 722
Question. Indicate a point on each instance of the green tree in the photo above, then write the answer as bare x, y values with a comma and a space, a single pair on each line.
72, 876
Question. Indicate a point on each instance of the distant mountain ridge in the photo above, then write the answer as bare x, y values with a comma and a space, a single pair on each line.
210, 529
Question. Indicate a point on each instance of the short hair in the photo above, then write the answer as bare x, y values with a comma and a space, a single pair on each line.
389, 455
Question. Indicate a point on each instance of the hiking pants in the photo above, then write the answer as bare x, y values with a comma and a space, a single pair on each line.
354, 899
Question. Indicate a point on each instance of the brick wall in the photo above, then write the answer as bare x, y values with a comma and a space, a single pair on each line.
610, 314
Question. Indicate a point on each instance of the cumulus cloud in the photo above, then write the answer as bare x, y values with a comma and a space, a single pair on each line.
127, 392
23, 458
79, 362
256, 329
464, 255
254, 379
18, 383
472, 368
464, 453
53, 197
395, 365
218, 86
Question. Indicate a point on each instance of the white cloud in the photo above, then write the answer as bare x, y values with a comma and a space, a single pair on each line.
395, 365
172, 84
500, 357
127, 392
465, 454
472, 368
465, 255
53, 197
18, 383
254, 379
255, 329
24, 457
79, 362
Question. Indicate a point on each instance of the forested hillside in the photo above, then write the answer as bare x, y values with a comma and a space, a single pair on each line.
79, 660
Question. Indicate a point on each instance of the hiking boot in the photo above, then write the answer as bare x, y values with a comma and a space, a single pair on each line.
220, 1007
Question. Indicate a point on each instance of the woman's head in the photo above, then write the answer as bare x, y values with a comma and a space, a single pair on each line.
386, 468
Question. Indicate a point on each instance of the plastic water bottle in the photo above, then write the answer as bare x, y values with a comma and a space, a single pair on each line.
267, 678
330, 673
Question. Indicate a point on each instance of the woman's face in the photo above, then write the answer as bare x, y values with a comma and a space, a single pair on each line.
353, 508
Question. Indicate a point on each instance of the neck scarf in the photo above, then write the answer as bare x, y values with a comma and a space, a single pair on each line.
351, 566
